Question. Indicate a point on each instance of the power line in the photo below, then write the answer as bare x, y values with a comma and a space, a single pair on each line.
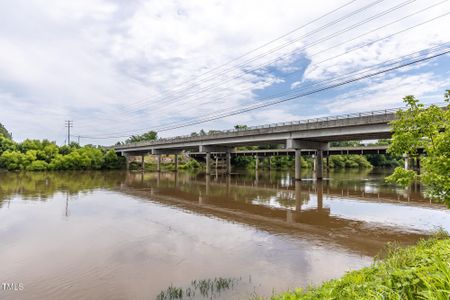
365, 44
197, 77
334, 22
262, 105
204, 89
305, 94
318, 83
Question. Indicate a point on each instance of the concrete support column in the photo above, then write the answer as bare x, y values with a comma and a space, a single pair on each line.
269, 159
256, 162
176, 162
298, 164
158, 163
418, 164
319, 186
407, 161
217, 163
328, 162
207, 185
142, 163
318, 165
228, 159
298, 196
127, 161
208, 163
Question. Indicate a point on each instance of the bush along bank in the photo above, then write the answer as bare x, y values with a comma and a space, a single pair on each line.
286, 162
416, 272
36, 155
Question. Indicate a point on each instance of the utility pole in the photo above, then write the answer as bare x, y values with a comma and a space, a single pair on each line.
69, 124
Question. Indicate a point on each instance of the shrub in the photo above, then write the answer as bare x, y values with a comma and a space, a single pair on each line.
38, 165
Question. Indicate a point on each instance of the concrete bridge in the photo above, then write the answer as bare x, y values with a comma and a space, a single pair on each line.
312, 136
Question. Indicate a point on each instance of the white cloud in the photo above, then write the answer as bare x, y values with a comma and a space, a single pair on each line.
388, 93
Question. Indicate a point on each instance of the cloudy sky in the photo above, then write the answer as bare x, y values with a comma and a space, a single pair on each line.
122, 67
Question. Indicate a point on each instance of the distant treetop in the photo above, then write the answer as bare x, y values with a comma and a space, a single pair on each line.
4, 132
148, 136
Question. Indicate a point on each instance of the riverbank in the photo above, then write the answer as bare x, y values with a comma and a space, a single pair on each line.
416, 272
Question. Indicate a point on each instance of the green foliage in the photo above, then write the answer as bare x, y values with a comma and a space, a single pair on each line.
148, 136
240, 127
402, 177
418, 128
4, 132
348, 161
419, 272
36, 155
346, 144
384, 160
38, 165
204, 288
191, 164
6, 144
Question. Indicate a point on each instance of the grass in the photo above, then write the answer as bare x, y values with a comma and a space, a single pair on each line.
205, 288
416, 272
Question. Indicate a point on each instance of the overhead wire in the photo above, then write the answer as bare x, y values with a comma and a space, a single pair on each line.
277, 101
326, 38
371, 42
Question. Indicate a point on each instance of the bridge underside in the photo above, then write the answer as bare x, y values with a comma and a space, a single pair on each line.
295, 138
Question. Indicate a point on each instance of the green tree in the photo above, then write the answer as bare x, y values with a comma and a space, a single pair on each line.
6, 144
417, 128
240, 127
148, 136
4, 132
346, 144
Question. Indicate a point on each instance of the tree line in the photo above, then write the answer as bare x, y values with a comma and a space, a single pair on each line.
37, 155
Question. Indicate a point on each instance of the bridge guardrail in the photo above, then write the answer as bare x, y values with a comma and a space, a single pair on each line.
185, 138
271, 125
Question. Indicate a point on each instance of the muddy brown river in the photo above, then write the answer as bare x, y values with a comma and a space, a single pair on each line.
117, 235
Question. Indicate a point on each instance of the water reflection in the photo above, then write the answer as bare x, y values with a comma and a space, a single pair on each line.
88, 235
360, 214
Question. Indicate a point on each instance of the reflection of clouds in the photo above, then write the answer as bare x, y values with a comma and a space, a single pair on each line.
390, 214
124, 239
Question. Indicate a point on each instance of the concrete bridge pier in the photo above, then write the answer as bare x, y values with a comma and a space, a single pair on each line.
298, 164
176, 162
302, 144
256, 163
127, 160
318, 165
298, 196
158, 163
208, 163
418, 164
228, 161
143, 163
319, 187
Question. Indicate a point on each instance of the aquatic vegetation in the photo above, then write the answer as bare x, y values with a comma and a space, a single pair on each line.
418, 272
205, 288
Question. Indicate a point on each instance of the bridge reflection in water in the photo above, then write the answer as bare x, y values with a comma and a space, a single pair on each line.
360, 215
